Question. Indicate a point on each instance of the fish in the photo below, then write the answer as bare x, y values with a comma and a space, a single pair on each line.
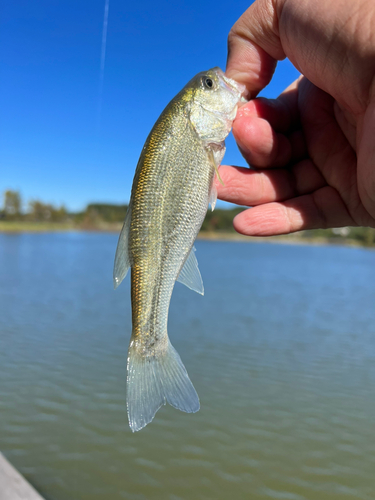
172, 188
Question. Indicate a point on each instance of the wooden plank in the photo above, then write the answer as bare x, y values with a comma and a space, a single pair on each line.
13, 486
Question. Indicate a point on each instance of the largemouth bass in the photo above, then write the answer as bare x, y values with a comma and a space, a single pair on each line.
172, 188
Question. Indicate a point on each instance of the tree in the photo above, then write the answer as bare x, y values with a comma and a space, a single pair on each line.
12, 203
45, 212
40, 211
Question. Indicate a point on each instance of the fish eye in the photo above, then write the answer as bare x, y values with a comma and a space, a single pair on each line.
208, 82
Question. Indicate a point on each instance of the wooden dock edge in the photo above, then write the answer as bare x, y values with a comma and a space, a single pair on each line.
13, 486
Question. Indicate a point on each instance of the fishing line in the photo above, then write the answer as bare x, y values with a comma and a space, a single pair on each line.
102, 62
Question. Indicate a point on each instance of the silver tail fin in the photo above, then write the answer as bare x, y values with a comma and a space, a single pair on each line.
154, 380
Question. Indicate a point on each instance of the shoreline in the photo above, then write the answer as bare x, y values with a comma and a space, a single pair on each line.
285, 239
55, 227
115, 228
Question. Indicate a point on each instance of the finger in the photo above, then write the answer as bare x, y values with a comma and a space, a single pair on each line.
321, 209
257, 126
260, 145
282, 113
254, 47
251, 187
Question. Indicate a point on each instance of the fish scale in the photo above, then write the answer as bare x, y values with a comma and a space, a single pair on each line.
172, 186
158, 248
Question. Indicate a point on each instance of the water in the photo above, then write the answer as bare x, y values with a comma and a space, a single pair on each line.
281, 350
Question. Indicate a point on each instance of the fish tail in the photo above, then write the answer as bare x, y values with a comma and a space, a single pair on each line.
154, 380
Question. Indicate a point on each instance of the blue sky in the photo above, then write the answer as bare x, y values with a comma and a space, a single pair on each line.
52, 146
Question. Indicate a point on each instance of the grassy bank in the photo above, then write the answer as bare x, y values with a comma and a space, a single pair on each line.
46, 227
34, 227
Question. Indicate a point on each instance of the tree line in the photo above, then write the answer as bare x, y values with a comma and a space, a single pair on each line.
13, 209
37, 211
94, 215
108, 216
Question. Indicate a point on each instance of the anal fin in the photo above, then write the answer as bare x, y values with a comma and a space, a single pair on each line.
190, 275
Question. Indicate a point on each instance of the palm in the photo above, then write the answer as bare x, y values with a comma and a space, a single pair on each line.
304, 152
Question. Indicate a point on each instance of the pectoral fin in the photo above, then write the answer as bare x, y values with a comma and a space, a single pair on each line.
217, 154
218, 150
122, 260
190, 275
213, 197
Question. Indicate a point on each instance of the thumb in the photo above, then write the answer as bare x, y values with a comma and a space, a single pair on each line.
254, 47
331, 45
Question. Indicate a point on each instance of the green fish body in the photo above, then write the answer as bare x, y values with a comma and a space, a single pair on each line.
172, 187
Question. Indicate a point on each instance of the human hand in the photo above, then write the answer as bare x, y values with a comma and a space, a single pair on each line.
313, 148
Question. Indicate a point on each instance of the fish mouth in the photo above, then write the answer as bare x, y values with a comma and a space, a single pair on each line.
233, 86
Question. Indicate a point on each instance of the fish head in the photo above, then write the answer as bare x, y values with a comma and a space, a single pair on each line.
212, 100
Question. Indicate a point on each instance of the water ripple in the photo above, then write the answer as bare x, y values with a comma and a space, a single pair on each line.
281, 350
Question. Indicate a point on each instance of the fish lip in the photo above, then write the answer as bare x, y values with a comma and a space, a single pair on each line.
232, 85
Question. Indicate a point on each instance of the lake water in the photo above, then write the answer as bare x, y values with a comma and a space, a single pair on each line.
281, 350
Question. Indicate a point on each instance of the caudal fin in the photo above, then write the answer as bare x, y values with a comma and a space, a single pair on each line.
152, 381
